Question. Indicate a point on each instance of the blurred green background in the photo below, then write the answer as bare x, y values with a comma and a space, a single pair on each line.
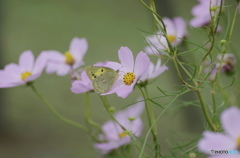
28, 128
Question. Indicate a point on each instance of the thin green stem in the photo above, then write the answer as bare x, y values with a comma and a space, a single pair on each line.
200, 96
88, 113
108, 109
185, 70
158, 117
214, 101
213, 33
151, 119
233, 24
159, 22
224, 50
179, 74
205, 112
218, 17
161, 25
58, 115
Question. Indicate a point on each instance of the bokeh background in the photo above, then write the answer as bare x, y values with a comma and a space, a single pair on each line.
27, 128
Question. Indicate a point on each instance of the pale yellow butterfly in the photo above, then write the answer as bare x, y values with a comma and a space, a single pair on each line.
102, 78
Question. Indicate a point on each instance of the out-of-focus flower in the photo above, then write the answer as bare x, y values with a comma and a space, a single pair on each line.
201, 12
84, 84
219, 141
176, 30
114, 136
129, 71
153, 71
70, 60
26, 71
228, 63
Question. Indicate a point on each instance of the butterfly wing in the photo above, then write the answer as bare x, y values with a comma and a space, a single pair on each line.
95, 71
104, 82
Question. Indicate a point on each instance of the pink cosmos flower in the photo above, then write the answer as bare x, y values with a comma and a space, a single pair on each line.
201, 12
14, 75
70, 60
153, 71
228, 64
114, 136
84, 84
230, 140
176, 30
129, 71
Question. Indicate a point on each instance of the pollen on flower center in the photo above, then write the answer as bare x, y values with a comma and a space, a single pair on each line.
123, 134
128, 78
171, 38
238, 143
69, 59
25, 75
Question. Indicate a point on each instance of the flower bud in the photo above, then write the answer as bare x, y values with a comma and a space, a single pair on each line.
223, 41
192, 155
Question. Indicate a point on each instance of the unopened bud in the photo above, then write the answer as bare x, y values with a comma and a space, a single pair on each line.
213, 8
223, 41
192, 155
111, 109
131, 118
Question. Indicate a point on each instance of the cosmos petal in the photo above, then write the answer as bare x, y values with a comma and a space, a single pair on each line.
26, 61
78, 48
126, 58
230, 121
215, 141
141, 64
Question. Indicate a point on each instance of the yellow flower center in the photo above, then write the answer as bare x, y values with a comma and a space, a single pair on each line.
238, 143
69, 59
25, 75
128, 78
171, 38
123, 134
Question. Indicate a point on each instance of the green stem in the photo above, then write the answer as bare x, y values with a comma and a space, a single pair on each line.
200, 96
179, 74
151, 119
107, 107
212, 39
185, 70
159, 22
233, 24
205, 112
59, 116
218, 17
161, 25
222, 57
214, 100
88, 113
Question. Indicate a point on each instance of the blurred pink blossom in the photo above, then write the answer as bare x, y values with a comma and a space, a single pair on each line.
201, 12
228, 63
84, 84
26, 71
176, 30
153, 71
230, 140
114, 136
70, 60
